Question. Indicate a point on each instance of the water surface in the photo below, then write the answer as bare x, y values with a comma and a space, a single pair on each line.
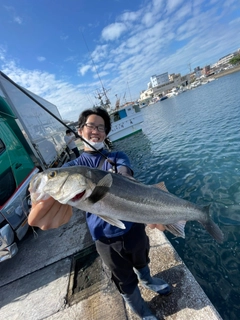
192, 142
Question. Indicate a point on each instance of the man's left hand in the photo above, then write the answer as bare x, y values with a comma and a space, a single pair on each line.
157, 226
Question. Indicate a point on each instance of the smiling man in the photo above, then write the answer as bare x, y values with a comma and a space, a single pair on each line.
123, 251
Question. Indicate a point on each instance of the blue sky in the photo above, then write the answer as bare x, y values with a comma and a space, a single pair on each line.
53, 48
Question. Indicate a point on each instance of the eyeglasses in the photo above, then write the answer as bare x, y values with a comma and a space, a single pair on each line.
90, 126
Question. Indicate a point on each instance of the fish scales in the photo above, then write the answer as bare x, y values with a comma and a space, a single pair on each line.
115, 198
160, 206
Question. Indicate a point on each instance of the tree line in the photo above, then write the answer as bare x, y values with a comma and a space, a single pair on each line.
235, 60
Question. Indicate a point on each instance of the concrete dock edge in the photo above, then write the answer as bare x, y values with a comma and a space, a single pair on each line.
43, 293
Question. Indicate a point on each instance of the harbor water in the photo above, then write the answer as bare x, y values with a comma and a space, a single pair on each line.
192, 143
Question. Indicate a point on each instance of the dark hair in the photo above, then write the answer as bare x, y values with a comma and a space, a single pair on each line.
99, 112
68, 131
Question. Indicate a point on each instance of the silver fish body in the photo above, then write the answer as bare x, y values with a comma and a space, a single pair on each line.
116, 198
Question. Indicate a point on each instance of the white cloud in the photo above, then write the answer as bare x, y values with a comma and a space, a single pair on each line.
235, 21
148, 19
64, 37
67, 97
41, 59
173, 4
113, 31
18, 20
15, 18
84, 69
71, 58
158, 5
109, 66
184, 11
130, 16
3, 52
100, 52
100, 74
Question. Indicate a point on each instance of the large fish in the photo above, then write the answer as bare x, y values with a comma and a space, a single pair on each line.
114, 197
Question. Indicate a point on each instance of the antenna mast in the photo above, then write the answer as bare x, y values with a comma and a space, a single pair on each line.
129, 91
104, 91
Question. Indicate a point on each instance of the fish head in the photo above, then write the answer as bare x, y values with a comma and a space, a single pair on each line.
62, 185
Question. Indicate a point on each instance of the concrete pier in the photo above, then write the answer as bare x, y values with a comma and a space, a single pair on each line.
38, 282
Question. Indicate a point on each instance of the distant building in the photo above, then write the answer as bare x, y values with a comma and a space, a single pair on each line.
174, 77
224, 60
197, 69
198, 73
185, 80
160, 90
146, 96
157, 80
149, 85
161, 84
206, 70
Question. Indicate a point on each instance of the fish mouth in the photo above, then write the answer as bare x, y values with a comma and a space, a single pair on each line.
78, 196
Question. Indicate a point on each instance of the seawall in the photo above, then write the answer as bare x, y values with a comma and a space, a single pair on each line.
226, 72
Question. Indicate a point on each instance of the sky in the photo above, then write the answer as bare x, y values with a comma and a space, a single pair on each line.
67, 51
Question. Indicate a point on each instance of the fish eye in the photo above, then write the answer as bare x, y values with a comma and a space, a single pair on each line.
52, 174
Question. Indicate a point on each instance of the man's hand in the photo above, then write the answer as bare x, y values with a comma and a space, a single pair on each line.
157, 226
49, 214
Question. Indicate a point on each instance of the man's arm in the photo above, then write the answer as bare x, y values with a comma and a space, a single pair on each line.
125, 171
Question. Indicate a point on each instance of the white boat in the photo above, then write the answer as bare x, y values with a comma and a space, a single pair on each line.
153, 101
173, 92
126, 120
195, 84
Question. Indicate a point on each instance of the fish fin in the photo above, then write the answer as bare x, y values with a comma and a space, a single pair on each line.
101, 189
212, 228
176, 229
106, 181
114, 222
161, 185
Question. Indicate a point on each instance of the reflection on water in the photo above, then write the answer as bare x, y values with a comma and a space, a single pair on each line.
192, 142
138, 149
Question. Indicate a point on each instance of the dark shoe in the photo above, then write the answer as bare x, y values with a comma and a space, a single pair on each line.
155, 284
138, 305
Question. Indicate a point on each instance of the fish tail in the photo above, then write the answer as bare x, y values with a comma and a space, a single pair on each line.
211, 227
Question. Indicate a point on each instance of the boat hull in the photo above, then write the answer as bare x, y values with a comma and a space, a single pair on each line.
126, 127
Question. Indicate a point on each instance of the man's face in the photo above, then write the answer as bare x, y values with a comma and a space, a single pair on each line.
93, 129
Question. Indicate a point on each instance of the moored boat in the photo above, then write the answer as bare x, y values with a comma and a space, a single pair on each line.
126, 120
163, 98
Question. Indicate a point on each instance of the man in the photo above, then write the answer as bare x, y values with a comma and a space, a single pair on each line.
124, 251
70, 142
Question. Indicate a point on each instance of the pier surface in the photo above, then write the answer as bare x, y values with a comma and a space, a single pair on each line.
47, 280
